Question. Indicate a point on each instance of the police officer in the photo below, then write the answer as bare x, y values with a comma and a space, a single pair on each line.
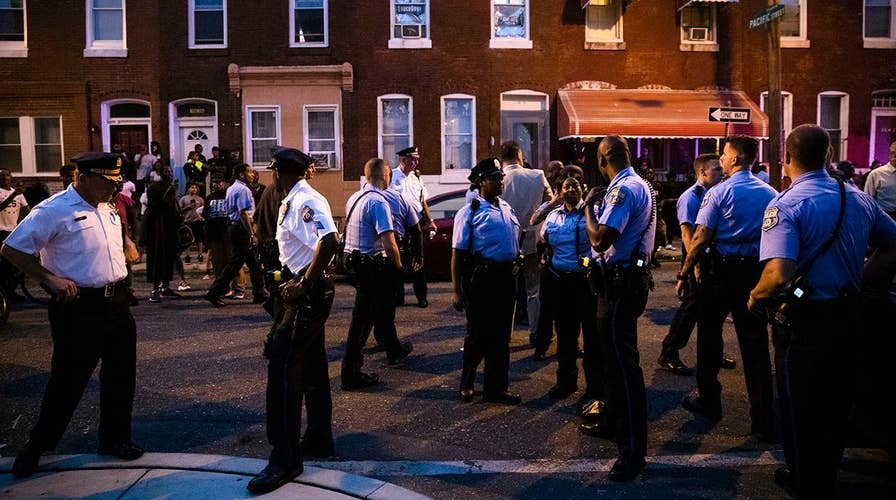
297, 358
708, 172
486, 249
406, 224
373, 261
621, 234
83, 257
726, 242
406, 178
813, 262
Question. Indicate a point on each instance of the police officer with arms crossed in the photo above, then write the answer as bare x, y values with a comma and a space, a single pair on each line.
708, 173
373, 261
406, 178
622, 234
486, 251
813, 262
726, 243
82, 260
297, 358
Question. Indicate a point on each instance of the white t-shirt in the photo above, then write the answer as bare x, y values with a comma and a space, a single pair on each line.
9, 217
128, 188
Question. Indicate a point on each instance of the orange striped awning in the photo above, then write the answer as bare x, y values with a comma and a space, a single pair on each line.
653, 114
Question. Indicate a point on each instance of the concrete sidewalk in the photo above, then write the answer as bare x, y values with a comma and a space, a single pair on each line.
176, 475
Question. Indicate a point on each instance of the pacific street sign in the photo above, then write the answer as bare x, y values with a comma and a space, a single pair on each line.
767, 15
729, 115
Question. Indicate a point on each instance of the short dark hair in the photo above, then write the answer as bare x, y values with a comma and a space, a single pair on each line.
510, 151
615, 149
808, 145
702, 161
746, 147
240, 169
569, 171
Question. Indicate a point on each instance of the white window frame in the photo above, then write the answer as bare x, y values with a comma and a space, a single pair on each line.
880, 42
510, 42
337, 135
106, 48
191, 23
18, 49
786, 114
410, 43
379, 121
701, 45
292, 28
456, 175
248, 121
597, 44
28, 146
844, 118
801, 41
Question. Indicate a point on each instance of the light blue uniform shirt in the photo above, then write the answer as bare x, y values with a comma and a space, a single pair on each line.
371, 218
495, 231
239, 198
733, 209
403, 216
565, 232
628, 208
689, 204
803, 217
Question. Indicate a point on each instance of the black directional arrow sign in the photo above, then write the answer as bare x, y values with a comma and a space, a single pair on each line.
729, 115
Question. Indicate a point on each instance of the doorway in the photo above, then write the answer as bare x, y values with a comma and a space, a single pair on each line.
130, 137
524, 119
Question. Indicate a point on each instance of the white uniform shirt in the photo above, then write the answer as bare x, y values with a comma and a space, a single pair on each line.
304, 219
412, 187
75, 240
9, 216
881, 185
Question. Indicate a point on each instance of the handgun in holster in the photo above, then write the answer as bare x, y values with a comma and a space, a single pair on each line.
780, 308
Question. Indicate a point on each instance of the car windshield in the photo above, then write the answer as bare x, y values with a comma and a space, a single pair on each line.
447, 207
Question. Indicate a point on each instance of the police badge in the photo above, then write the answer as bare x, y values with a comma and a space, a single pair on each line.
770, 219
616, 196
284, 209
307, 214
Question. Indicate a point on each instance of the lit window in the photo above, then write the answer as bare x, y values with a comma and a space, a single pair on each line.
395, 126
833, 116
322, 135
263, 131
603, 22
10, 145
510, 24
308, 23
208, 24
880, 24
106, 29
410, 24
698, 27
458, 132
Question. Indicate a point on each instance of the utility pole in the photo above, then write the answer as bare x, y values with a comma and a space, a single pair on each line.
774, 100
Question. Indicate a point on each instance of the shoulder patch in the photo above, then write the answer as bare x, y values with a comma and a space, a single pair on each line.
616, 196
770, 218
284, 208
705, 200
307, 214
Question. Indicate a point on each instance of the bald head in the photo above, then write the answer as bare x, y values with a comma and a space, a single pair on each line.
614, 150
807, 147
377, 172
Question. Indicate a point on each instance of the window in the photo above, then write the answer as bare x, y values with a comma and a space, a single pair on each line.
308, 25
12, 29
106, 29
880, 24
322, 135
396, 125
510, 24
698, 28
31, 145
833, 116
410, 24
458, 132
786, 119
603, 25
207, 24
793, 24
262, 133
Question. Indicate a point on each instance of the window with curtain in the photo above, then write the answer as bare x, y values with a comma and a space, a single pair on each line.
208, 23
108, 20
458, 137
698, 22
510, 18
395, 127
603, 23
263, 133
321, 136
309, 22
410, 19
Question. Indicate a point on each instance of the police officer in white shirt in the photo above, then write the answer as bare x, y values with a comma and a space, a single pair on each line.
406, 179
297, 366
77, 234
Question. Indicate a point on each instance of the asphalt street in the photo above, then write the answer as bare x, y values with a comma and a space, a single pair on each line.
201, 381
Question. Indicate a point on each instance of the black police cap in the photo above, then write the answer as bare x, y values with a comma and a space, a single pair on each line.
289, 159
409, 151
106, 164
489, 167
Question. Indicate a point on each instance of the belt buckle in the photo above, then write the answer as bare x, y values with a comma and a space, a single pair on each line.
108, 290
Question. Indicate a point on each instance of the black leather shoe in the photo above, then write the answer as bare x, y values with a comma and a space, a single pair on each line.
26, 461
561, 391
467, 394
785, 479
124, 451
362, 381
503, 398
597, 429
273, 477
540, 356
625, 470
423, 304
214, 300
695, 404
407, 348
728, 363
674, 365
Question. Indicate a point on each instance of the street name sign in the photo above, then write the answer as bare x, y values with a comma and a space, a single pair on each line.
767, 15
729, 115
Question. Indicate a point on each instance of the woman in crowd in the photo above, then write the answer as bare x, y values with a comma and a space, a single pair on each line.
191, 208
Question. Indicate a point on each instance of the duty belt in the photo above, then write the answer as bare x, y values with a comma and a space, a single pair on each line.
104, 292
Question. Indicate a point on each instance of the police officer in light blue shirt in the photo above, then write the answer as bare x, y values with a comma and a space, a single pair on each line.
406, 225
814, 264
486, 245
726, 242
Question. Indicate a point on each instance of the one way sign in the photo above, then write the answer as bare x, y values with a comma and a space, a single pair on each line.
729, 115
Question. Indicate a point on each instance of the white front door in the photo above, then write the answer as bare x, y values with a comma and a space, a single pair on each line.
190, 137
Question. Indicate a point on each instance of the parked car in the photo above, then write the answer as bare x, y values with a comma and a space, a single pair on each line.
437, 250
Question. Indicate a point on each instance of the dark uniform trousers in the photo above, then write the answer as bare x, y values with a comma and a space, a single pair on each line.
723, 290
620, 303
544, 330
822, 335
88, 330
490, 295
241, 253
684, 320
297, 368
418, 278
574, 312
374, 282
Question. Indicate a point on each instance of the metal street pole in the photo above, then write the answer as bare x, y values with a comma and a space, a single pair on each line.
774, 100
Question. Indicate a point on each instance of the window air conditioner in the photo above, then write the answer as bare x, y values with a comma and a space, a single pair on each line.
698, 34
412, 31
324, 161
